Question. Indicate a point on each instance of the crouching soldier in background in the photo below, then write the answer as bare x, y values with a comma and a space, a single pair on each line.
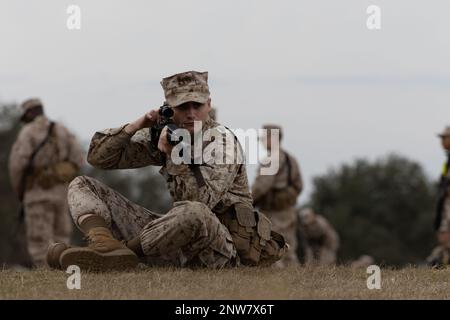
43, 160
320, 240
212, 222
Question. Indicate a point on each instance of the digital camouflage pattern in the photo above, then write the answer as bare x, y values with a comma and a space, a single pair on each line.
225, 184
45, 200
188, 235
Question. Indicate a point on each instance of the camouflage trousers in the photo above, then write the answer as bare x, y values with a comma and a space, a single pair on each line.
189, 234
285, 223
47, 220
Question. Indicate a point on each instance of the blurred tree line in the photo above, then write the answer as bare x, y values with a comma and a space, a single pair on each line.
143, 186
383, 208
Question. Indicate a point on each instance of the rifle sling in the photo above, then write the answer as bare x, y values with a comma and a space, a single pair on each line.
29, 168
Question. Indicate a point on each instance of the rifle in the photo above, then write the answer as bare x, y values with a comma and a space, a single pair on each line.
165, 119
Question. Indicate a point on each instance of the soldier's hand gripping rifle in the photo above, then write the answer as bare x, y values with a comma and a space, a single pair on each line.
165, 119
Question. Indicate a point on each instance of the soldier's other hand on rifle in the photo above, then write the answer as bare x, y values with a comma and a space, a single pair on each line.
163, 143
147, 120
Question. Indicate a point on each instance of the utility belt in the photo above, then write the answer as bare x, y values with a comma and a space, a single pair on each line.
278, 199
48, 177
255, 242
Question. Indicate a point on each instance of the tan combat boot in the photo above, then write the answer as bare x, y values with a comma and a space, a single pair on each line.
54, 253
104, 253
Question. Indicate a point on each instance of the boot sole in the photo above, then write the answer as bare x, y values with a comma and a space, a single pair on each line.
90, 260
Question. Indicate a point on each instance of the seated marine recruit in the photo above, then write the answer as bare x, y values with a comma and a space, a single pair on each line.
212, 222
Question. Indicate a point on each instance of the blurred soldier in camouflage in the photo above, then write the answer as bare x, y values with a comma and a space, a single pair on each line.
320, 240
440, 254
212, 222
276, 195
43, 160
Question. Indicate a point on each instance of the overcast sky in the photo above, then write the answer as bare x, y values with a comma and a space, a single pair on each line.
340, 91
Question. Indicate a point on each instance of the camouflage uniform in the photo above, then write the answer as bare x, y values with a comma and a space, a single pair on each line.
47, 219
320, 239
201, 228
276, 196
441, 254
445, 214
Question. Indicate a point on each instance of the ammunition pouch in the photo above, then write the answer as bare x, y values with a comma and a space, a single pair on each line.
251, 231
48, 177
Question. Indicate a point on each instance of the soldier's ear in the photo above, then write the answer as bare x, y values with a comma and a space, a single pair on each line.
209, 104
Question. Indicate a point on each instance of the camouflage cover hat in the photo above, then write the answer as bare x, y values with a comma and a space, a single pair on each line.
445, 133
30, 104
185, 87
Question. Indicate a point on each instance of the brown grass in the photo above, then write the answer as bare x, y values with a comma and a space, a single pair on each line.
242, 283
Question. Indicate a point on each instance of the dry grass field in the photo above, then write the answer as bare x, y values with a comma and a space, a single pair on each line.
243, 283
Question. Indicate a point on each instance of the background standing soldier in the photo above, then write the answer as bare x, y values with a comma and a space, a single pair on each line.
442, 220
43, 159
320, 240
276, 195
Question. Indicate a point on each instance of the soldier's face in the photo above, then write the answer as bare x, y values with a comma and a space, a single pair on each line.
446, 143
184, 115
